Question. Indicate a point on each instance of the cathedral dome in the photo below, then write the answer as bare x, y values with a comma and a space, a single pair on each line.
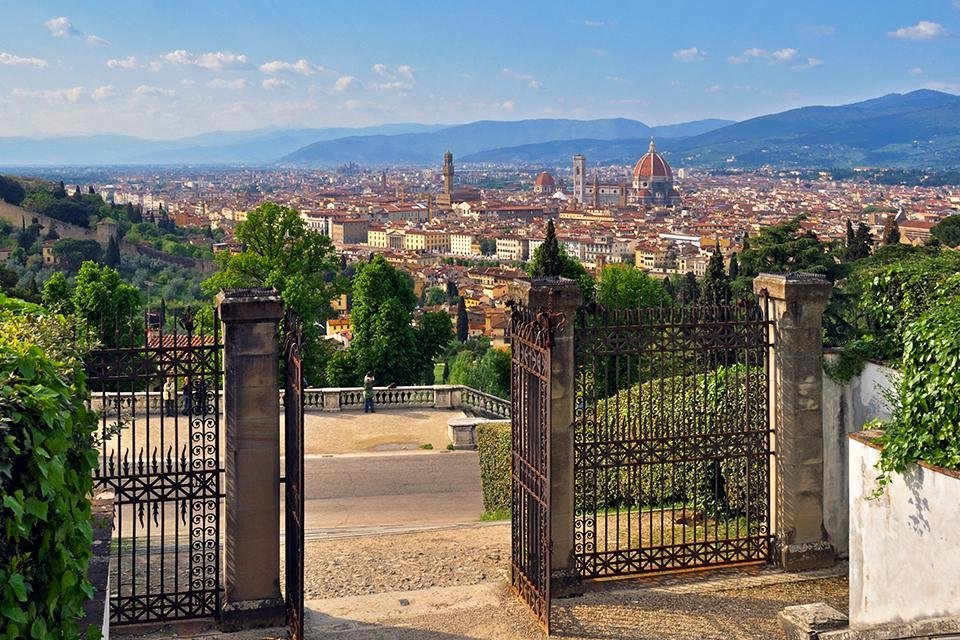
544, 180
651, 166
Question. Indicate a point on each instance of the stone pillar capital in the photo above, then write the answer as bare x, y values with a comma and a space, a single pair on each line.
249, 305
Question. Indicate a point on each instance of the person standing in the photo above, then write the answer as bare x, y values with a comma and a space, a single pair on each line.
368, 393
169, 398
187, 397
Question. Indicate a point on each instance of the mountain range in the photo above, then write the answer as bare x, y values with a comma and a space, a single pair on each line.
920, 129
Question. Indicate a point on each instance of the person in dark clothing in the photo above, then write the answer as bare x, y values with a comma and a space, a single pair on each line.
368, 393
187, 397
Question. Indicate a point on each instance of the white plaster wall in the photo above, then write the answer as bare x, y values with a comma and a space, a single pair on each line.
846, 408
904, 545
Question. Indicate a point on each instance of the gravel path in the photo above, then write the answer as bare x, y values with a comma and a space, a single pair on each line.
405, 562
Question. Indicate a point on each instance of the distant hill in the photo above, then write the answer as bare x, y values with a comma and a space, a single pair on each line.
917, 129
259, 146
467, 139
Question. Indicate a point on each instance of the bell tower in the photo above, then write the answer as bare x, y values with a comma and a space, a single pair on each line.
579, 168
448, 173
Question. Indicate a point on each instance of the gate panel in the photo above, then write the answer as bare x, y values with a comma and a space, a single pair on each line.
530, 462
672, 439
158, 396
293, 469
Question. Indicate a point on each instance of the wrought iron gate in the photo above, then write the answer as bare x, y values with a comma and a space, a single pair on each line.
293, 469
531, 339
159, 399
672, 438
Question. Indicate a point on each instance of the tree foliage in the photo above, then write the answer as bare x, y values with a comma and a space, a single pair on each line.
280, 252
46, 464
546, 259
947, 231
11, 191
787, 247
716, 282
463, 322
621, 286
891, 231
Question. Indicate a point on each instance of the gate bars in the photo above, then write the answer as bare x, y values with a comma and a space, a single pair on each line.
159, 396
531, 339
671, 438
293, 470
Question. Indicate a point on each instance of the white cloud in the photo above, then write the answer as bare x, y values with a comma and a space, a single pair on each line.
594, 24
150, 90
129, 62
72, 94
531, 81
301, 66
214, 60
923, 30
18, 61
231, 85
347, 83
737, 60
399, 79
755, 52
784, 55
508, 105
276, 83
691, 54
952, 87
809, 64
102, 92
916, 71
61, 27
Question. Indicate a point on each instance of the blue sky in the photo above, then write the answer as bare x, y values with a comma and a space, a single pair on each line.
171, 68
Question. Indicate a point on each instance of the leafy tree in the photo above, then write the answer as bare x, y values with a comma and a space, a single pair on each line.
463, 322
58, 294
488, 246
385, 341
624, 287
71, 253
452, 291
716, 282
947, 231
435, 296
689, 289
787, 247
489, 373
280, 252
11, 191
60, 192
108, 304
891, 231
670, 289
111, 257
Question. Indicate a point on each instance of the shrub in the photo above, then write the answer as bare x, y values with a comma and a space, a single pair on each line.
926, 425
46, 464
493, 448
709, 405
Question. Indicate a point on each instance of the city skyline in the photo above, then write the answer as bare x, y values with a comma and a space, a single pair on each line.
181, 68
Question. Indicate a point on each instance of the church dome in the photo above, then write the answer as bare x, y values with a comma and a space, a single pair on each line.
544, 179
651, 166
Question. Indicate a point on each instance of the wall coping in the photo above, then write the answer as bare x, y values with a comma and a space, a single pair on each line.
869, 437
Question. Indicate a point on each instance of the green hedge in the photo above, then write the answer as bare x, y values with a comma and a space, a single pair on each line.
493, 447
708, 405
46, 461
926, 425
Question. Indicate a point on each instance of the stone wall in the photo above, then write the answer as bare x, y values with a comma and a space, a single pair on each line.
904, 564
846, 408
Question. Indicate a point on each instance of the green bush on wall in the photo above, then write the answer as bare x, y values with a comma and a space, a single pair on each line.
46, 462
926, 425
493, 448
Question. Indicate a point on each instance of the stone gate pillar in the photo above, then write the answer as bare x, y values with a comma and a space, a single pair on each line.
796, 305
252, 417
558, 295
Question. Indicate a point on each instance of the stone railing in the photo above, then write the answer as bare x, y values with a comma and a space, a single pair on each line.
143, 403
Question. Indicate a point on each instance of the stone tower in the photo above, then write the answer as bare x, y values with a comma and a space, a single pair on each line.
448, 173
579, 169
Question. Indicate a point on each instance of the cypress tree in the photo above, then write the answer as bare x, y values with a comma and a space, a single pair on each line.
111, 257
891, 231
716, 283
734, 266
550, 261
463, 322
689, 290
